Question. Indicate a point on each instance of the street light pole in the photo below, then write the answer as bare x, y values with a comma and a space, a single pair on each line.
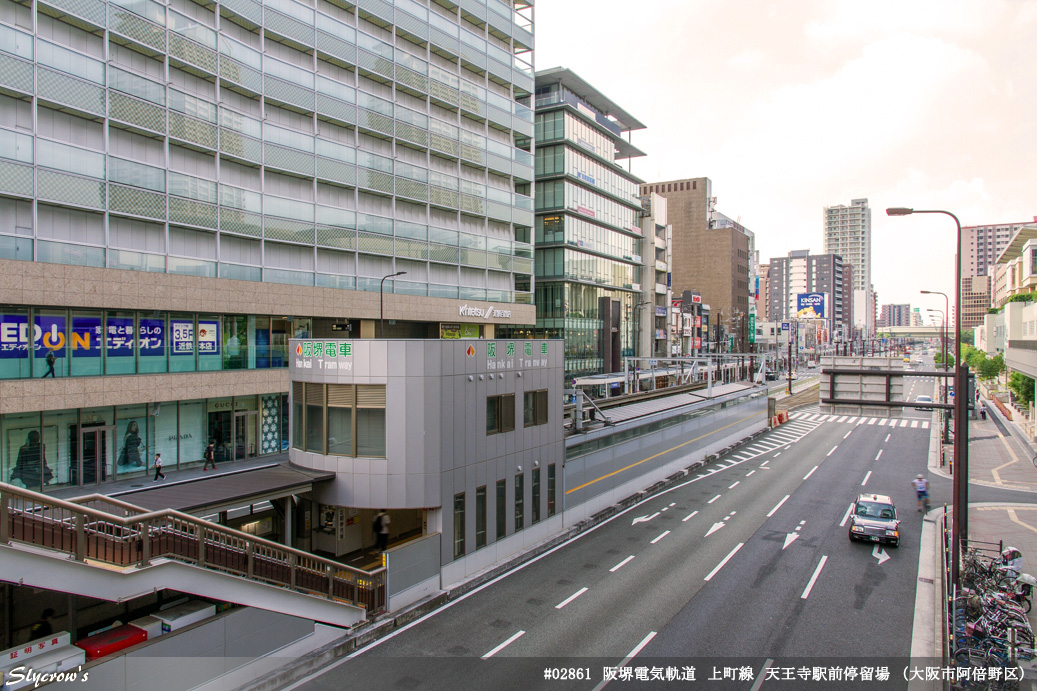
960, 514
943, 414
381, 303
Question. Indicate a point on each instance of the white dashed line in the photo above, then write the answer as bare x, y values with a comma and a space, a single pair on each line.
811, 472
813, 579
772, 511
713, 499
888, 436
847, 434
689, 516
734, 485
502, 646
865, 480
832, 451
572, 597
726, 559
846, 515
621, 564
661, 536
878, 455
750, 473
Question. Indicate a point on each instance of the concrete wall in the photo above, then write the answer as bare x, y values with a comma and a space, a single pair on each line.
193, 656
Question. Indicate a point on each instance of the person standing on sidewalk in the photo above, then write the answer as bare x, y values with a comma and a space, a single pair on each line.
209, 457
158, 468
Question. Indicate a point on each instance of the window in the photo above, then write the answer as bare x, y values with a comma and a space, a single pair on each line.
480, 517
339, 419
500, 413
551, 490
458, 525
519, 504
536, 496
502, 508
534, 408
315, 418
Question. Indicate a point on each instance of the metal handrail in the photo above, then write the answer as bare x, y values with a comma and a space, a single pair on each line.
90, 533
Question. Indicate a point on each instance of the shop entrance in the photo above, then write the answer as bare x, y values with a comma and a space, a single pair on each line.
94, 460
246, 434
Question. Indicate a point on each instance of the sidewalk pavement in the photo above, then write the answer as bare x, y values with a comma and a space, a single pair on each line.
1000, 456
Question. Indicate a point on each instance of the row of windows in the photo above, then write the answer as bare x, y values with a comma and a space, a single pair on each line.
501, 512
562, 194
670, 187
573, 265
575, 231
500, 411
339, 419
554, 160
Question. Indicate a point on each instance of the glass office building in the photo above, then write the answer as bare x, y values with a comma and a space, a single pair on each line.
154, 154
588, 224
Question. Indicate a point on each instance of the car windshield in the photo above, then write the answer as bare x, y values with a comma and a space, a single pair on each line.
870, 509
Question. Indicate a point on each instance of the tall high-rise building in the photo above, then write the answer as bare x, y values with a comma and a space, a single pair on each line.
589, 242
982, 245
185, 187
802, 272
711, 252
975, 300
847, 232
762, 311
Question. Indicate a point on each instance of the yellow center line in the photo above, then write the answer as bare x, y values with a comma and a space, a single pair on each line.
644, 460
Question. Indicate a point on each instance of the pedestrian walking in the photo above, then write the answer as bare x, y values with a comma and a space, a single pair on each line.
50, 366
381, 530
158, 468
210, 457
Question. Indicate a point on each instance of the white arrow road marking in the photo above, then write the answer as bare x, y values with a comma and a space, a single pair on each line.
502, 646
572, 597
778, 506
621, 564
721, 564
813, 579
789, 539
716, 527
642, 519
842, 523
865, 480
689, 516
879, 554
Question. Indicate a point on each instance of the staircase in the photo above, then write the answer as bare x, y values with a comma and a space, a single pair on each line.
111, 549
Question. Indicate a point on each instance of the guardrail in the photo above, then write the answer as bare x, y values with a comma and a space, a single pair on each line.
90, 528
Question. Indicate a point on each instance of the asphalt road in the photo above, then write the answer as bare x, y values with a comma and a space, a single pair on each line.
699, 573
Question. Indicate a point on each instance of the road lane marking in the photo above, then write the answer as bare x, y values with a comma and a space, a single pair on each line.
852, 421
846, 515
811, 472
713, 499
688, 516
865, 480
768, 460
772, 511
763, 672
878, 455
750, 473
832, 451
733, 486
725, 560
842, 419
661, 536
572, 597
502, 646
813, 579
888, 436
847, 434
872, 421
882, 422
644, 519
621, 564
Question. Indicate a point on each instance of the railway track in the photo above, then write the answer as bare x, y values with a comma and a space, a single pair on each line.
805, 397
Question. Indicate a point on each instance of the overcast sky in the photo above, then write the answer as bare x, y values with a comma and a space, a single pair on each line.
794, 105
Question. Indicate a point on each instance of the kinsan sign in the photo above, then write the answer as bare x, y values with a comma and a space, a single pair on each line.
811, 305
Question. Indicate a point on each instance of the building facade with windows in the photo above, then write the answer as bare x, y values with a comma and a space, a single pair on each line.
802, 272
712, 254
895, 315
847, 232
185, 186
589, 242
485, 470
981, 245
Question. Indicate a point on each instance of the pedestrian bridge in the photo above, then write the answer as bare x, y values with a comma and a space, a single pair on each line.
910, 331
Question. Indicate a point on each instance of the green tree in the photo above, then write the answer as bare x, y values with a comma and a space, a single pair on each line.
973, 357
938, 359
991, 367
1022, 386
968, 337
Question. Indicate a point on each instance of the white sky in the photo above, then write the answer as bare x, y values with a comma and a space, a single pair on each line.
794, 105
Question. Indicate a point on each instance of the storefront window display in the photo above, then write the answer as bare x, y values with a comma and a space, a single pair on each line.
131, 429
120, 327
86, 342
194, 432
163, 435
60, 451
235, 342
152, 338
14, 343
24, 451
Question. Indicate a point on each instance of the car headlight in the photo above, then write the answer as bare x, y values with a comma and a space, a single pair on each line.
856, 528
892, 533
